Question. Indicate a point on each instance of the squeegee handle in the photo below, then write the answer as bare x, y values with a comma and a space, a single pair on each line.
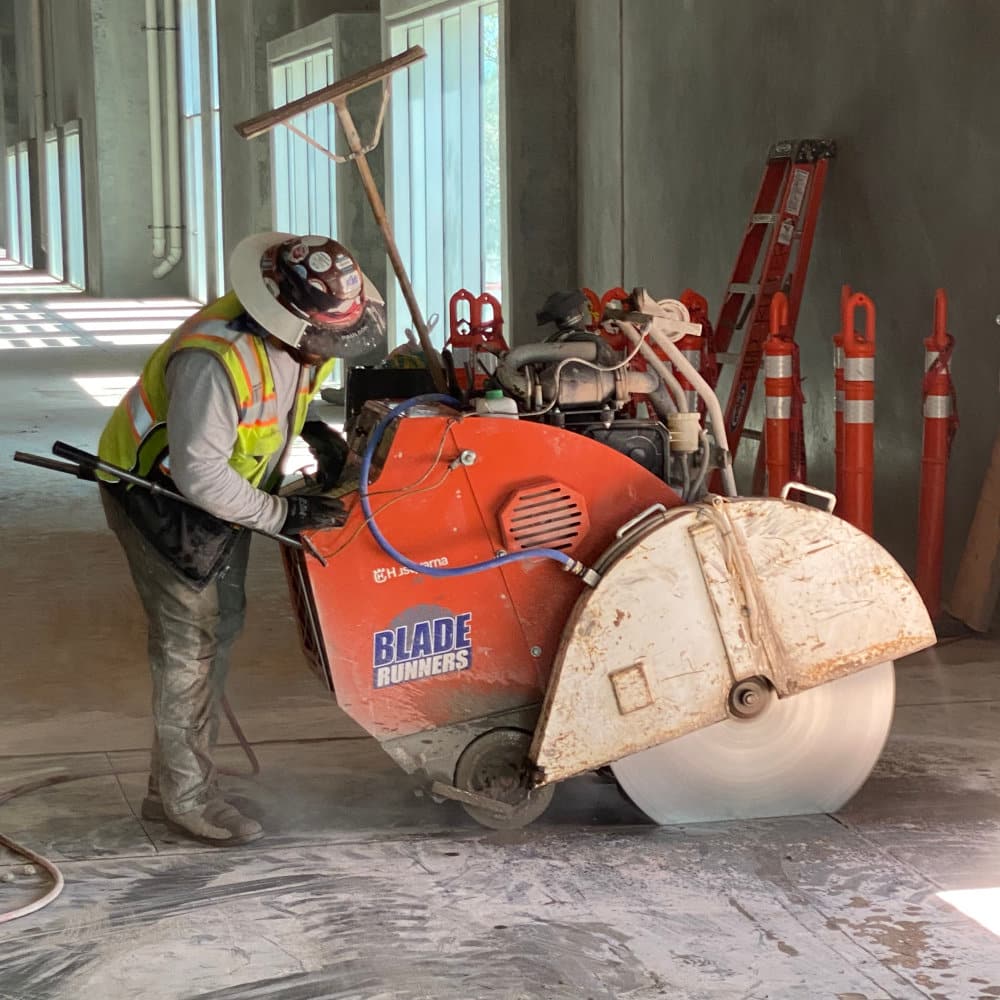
91, 464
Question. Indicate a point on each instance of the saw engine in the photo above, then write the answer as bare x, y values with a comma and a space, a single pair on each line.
514, 602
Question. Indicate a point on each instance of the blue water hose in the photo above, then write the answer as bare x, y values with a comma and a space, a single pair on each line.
568, 562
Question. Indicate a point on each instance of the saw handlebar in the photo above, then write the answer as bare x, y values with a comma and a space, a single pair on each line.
47, 463
84, 465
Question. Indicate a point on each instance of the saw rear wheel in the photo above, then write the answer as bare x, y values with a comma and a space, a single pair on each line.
496, 765
808, 753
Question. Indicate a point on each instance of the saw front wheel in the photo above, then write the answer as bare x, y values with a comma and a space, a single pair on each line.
496, 765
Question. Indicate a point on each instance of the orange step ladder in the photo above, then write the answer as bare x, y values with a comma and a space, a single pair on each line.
773, 257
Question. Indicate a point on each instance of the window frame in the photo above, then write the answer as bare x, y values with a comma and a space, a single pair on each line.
74, 205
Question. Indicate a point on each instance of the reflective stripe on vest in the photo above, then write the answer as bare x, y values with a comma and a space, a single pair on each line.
135, 436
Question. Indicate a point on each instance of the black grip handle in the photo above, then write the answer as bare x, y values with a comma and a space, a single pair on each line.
83, 458
48, 463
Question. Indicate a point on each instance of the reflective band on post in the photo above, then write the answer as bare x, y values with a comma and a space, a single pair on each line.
777, 366
937, 407
838, 357
778, 407
930, 357
859, 369
838, 404
859, 411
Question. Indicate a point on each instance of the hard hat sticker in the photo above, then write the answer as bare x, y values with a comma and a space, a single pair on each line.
320, 261
426, 648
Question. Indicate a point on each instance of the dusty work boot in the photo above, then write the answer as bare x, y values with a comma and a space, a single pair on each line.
216, 823
152, 808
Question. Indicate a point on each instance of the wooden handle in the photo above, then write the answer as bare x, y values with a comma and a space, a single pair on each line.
253, 127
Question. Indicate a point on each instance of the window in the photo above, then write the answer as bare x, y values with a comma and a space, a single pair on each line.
202, 205
53, 208
12, 241
445, 158
305, 194
27, 256
76, 272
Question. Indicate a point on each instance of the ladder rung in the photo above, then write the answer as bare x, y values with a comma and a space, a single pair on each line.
742, 287
763, 218
752, 434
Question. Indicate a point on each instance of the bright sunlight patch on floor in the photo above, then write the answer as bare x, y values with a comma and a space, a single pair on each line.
81, 321
106, 389
982, 905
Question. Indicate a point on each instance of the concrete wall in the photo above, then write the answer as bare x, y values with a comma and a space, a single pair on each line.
540, 119
600, 206
116, 163
245, 27
907, 88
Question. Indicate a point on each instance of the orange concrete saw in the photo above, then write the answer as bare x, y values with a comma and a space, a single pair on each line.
513, 602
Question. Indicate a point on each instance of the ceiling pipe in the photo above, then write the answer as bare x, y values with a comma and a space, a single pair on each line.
152, 30
175, 215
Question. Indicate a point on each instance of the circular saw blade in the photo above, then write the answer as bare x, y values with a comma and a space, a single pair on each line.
808, 753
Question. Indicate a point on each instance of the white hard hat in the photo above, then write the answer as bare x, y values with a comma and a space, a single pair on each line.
298, 285
254, 296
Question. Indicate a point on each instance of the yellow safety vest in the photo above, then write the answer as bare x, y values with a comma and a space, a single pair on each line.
135, 437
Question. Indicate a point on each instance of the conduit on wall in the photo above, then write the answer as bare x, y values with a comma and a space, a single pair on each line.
167, 246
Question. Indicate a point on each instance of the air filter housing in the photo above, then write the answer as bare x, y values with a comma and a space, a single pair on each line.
546, 514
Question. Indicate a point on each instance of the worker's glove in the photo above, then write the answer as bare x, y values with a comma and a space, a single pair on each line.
307, 513
329, 449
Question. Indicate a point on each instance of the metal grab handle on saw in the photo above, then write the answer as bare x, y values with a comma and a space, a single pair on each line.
830, 498
657, 508
86, 465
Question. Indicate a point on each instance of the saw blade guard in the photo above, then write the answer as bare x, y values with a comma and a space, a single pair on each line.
702, 603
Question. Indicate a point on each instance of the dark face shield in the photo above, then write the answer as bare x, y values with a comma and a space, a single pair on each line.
366, 336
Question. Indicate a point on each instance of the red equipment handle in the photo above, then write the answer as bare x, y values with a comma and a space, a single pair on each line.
696, 303
853, 341
940, 334
594, 304
778, 314
616, 294
485, 299
462, 295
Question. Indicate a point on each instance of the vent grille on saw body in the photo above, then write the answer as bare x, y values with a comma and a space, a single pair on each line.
547, 515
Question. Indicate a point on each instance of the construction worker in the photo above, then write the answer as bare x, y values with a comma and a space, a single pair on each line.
215, 409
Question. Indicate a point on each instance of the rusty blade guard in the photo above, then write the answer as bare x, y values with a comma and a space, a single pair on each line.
721, 591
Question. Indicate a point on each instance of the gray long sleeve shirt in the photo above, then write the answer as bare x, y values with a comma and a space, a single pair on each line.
202, 424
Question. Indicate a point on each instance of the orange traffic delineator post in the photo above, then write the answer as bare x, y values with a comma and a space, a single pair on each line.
940, 425
779, 388
838, 387
858, 472
706, 363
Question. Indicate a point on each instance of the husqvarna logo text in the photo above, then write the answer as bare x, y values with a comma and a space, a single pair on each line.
424, 649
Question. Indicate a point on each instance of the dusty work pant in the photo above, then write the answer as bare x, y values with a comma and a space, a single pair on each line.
190, 635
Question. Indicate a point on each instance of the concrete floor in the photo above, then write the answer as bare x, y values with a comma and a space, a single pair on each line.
361, 888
